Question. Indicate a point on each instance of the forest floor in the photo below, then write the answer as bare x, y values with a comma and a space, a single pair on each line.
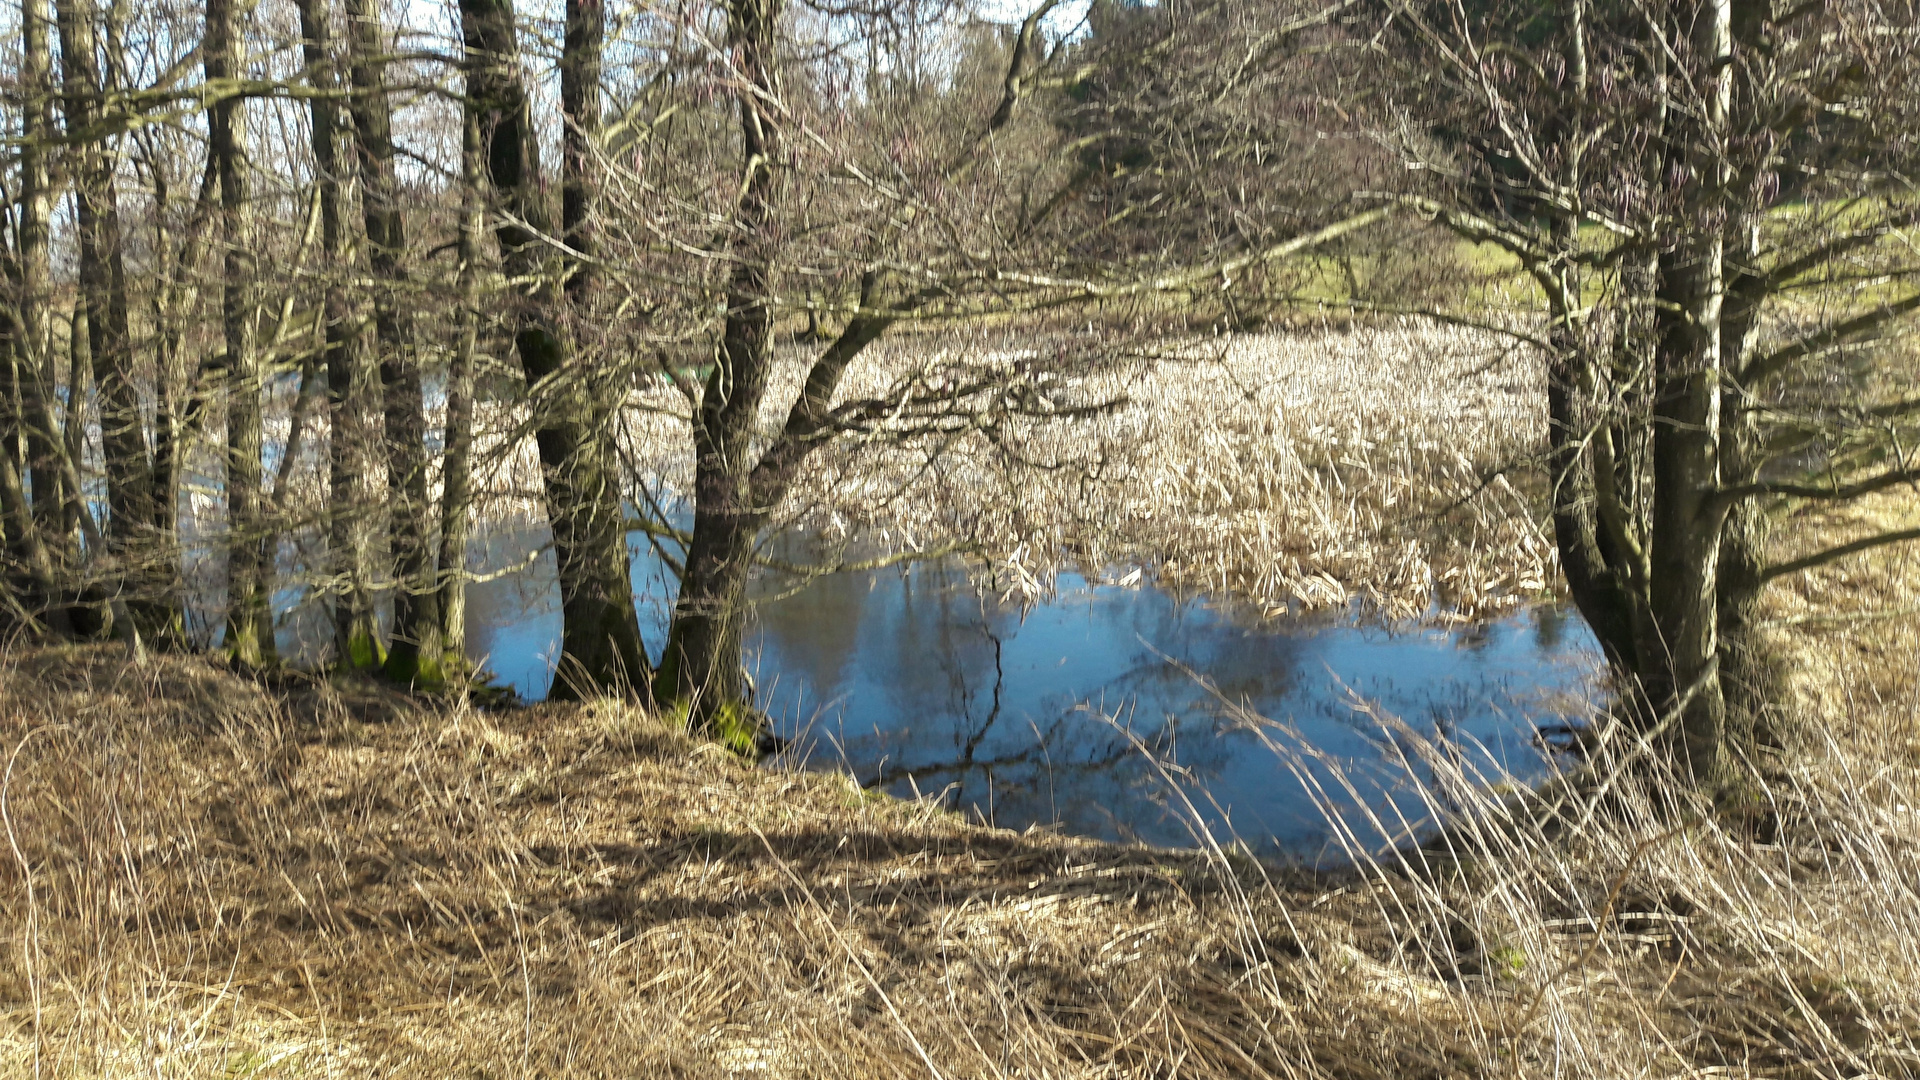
206, 875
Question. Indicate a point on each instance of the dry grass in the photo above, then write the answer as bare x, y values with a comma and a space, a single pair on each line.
1292, 468
209, 877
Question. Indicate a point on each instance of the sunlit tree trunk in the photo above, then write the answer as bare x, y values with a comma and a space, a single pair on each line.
142, 574
1751, 673
250, 546
416, 654
33, 340
600, 635
349, 498
23, 327
456, 498
1680, 662
709, 619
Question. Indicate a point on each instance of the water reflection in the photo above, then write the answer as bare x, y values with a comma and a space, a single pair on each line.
1106, 711
915, 680
1079, 712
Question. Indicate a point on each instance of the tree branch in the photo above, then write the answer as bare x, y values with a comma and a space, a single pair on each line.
1832, 554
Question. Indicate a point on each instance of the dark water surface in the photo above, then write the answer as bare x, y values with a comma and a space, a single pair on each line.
1104, 710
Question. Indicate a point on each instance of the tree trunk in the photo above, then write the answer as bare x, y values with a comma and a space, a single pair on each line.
580, 61
417, 654
17, 526
1679, 666
33, 340
1752, 671
250, 545
456, 498
174, 378
702, 669
703, 660
23, 414
1680, 662
356, 640
142, 574
600, 633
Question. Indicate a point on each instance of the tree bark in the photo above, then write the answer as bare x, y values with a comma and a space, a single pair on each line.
349, 499
33, 339
24, 514
250, 544
1752, 672
175, 380
580, 61
600, 635
456, 498
1679, 665
702, 666
141, 571
417, 652
1680, 662
1591, 563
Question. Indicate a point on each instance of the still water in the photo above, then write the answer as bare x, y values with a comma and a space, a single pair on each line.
1123, 713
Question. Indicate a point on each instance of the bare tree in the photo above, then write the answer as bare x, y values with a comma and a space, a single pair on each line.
33, 531
600, 636
250, 548
1700, 191
356, 642
103, 293
417, 648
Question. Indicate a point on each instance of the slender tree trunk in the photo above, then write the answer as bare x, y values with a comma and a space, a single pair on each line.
1687, 514
600, 635
21, 532
80, 387
349, 499
417, 653
456, 497
1752, 671
250, 545
174, 377
1581, 537
703, 661
33, 343
24, 421
580, 109
141, 570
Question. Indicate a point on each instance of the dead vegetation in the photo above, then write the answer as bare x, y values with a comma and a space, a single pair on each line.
206, 876
1292, 468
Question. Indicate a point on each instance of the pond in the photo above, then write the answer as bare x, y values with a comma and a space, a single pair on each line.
1111, 711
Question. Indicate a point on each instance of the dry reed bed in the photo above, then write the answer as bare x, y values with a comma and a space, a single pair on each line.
205, 876
1291, 468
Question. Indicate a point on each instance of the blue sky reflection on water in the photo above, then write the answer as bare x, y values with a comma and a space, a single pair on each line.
911, 679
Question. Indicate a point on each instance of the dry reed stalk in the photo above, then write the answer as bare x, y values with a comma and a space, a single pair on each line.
1292, 468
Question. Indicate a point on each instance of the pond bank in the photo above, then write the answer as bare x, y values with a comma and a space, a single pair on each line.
209, 875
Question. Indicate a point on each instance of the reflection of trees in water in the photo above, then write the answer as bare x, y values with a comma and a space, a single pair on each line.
954, 694
1080, 749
